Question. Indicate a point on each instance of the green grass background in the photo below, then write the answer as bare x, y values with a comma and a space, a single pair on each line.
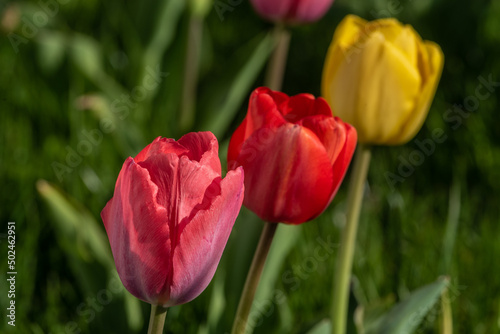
64, 75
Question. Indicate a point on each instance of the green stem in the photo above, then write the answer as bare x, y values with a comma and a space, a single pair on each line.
253, 278
157, 319
348, 243
447, 318
277, 64
191, 72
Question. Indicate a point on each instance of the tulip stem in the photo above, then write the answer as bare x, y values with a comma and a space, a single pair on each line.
157, 319
447, 319
345, 256
276, 67
253, 278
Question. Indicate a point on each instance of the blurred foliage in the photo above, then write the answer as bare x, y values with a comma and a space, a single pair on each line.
85, 84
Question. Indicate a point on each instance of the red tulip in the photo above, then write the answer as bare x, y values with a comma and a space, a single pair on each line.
294, 153
292, 11
170, 218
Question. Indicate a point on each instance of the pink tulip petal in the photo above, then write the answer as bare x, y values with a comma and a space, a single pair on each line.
161, 146
202, 147
181, 184
139, 234
311, 10
210, 225
292, 11
170, 218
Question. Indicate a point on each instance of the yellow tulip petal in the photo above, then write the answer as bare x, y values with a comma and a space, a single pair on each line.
435, 66
389, 27
408, 41
349, 31
375, 91
342, 45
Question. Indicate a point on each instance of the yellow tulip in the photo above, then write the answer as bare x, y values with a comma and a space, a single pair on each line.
381, 77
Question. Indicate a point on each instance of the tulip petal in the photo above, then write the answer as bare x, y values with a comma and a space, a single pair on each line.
292, 10
273, 10
209, 225
330, 131
181, 184
342, 47
435, 58
310, 10
262, 112
404, 38
377, 81
235, 144
344, 158
288, 175
302, 105
161, 146
202, 147
136, 227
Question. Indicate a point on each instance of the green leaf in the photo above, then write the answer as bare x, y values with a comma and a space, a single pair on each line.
454, 207
87, 55
163, 36
217, 303
83, 241
240, 88
266, 297
51, 49
76, 226
405, 316
322, 327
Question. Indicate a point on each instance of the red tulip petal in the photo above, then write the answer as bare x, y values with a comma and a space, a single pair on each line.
329, 131
288, 175
202, 147
138, 232
235, 143
345, 156
303, 105
263, 110
204, 237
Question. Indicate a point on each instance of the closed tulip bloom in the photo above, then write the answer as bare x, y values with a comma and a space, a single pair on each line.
292, 11
294, 153
170, 218
381, 77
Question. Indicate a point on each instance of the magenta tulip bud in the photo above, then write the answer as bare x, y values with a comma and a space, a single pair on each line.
292, 11
170, 218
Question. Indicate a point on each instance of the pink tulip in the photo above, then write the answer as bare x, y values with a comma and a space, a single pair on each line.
170, 218
292, 11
